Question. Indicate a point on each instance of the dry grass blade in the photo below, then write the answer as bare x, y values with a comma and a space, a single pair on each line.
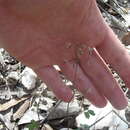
11, 103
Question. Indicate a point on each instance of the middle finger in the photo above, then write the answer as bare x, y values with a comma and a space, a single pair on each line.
73, 71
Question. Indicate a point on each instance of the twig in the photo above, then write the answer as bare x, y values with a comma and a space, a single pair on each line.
99, 119
52, 110
120, 117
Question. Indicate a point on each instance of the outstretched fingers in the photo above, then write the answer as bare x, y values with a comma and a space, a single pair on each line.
100, 75
81, 82
114, 53
53, 80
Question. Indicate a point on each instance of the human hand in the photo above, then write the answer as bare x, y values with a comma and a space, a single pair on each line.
73, 35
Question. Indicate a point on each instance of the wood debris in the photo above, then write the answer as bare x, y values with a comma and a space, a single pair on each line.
11, 103
20, 112
47, 127
126, 39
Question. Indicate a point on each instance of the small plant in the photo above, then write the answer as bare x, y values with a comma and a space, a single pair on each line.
33, 125
89, 113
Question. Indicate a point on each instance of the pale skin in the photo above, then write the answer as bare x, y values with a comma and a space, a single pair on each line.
42, 33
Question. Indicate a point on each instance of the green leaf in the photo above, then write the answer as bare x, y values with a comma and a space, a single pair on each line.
87, 115
33, 125
91, 112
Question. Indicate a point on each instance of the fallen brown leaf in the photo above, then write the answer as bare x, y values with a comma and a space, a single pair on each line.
11, 103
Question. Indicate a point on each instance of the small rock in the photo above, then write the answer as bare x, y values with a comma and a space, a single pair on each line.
44, 103
30, 115
6, 118
12, 78
28, 78
61, 110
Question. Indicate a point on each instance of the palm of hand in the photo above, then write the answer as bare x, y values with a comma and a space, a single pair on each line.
62, 36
